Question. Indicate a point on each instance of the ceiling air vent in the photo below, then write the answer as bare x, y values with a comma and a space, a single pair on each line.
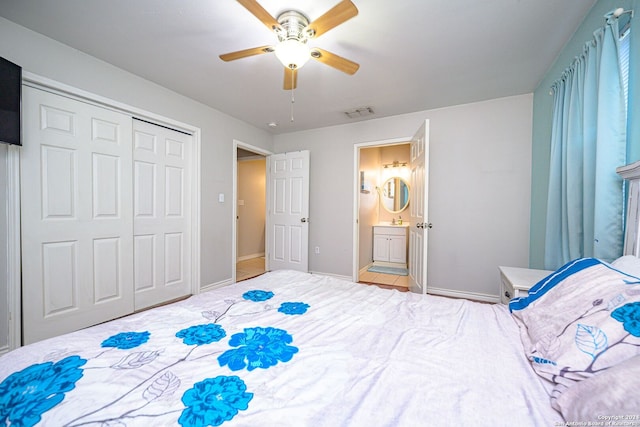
359, 112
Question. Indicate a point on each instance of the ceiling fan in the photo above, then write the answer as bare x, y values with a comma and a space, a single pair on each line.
294, 30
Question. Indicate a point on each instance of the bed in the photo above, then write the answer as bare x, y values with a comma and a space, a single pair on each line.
286, 348
297, 349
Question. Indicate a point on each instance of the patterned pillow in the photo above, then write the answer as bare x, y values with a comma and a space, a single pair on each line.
629, 264
620, 384
579, 321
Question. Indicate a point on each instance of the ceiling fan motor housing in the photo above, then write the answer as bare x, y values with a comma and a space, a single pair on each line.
293, 25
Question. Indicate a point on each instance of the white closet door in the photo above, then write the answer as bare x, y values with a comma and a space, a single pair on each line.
77, 243
162, 239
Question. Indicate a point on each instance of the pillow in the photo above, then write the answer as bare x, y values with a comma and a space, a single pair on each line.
613, 392
580, 320
628, 264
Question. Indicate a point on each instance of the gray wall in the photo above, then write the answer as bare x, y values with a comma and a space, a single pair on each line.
543, 113
480, 158
480, 184
48, 58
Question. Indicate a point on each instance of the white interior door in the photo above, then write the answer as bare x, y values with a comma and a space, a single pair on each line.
161, 207
77, 242
419, 209
288, 211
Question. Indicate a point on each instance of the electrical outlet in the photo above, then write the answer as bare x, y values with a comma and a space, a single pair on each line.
317, 250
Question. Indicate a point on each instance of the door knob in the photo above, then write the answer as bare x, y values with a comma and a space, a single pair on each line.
304, 219
429, 225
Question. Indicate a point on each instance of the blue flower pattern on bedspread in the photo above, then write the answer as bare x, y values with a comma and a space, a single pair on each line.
201, 334
257, 295
27, 394
629, 316
213, 401
293, 308
258, 348
126, 340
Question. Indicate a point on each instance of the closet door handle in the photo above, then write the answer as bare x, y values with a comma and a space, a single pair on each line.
304, 219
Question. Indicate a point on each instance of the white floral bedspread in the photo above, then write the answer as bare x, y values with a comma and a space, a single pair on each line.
284, 349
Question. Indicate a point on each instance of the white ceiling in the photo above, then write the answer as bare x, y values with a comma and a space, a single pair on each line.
413, 54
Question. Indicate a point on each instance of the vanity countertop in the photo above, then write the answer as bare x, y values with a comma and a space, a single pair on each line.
389, 224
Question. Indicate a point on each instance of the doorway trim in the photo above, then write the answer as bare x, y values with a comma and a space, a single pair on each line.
13, 262
234, 208
356, 194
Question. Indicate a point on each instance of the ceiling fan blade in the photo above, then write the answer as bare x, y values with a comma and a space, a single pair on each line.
259, 12
335, 61
340, 13
290, 78
232, 56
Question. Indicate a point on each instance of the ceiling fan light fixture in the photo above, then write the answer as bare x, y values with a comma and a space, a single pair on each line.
292, 53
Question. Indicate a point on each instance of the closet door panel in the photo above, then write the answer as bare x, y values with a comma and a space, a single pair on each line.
76, 209
162, 214
106, 266
59, 182
59, 268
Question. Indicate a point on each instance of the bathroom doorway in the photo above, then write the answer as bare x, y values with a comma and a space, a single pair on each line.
383, 170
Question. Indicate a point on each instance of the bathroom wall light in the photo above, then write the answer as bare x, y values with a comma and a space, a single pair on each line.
395, 164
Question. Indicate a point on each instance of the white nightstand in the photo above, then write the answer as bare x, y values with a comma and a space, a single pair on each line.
516, 281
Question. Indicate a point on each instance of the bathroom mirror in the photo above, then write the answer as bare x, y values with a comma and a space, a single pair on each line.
394, 194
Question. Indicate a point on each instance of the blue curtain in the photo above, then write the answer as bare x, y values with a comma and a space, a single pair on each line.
588, 141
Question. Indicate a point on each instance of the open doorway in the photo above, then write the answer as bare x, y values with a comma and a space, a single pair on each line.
382, 205
249, 211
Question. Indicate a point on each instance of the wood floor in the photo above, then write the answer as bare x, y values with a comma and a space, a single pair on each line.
253, 267
385, 281
249, 268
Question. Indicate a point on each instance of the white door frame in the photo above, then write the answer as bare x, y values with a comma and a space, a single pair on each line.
14, 282
356, 193
13, 186
234, 208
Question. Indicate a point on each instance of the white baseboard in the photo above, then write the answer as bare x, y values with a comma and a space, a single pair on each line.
453, 293
462, 294
246, 257
5, 349
337, 276
216, 285
364, 269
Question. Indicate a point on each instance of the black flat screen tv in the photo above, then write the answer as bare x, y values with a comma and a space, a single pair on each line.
10, 102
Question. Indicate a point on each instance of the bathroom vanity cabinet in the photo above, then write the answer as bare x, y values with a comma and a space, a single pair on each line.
390, 243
